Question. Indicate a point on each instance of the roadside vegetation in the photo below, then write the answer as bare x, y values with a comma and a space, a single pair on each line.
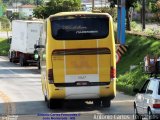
55, 6
151, 29
138, 48
5, 24
4, 47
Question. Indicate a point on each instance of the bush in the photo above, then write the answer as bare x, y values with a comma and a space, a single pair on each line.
55, 6
4, 47
5, 24
111, 11
138, 48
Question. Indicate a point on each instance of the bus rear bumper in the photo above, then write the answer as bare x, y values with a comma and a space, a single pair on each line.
83, 92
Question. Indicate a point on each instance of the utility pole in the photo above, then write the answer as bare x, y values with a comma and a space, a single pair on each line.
92, 5
121, 27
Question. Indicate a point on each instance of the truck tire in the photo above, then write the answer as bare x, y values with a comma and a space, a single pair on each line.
12, 55
39, 64
22, 60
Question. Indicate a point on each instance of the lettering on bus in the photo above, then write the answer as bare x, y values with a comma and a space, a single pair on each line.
74, 27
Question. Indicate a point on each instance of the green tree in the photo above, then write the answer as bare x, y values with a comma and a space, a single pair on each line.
55, 6
3, 7
129, 4
152, 5
5, 23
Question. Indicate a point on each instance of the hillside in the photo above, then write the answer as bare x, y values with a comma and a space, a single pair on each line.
138, 48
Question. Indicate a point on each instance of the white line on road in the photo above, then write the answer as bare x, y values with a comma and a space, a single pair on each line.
10, 69
122, 101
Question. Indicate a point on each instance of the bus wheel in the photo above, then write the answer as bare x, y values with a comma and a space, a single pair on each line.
97, 103
21, 61
45, 98
106, 103
54, 104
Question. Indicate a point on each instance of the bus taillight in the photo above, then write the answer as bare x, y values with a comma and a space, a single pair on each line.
50, 76
113, 73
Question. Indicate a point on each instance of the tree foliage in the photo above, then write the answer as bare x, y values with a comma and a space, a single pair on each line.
55, 6
5, 23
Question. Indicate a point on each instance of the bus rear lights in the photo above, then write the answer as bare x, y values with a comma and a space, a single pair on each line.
50, 76
113, 73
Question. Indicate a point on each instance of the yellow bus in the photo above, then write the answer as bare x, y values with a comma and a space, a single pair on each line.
78, 58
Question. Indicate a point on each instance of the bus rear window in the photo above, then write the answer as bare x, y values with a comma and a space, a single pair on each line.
80, 28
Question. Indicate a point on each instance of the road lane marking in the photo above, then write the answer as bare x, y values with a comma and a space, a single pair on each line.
18, 68
122, 101
11, 77
9, 106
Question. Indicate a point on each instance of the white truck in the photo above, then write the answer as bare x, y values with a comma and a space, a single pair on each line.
25, 34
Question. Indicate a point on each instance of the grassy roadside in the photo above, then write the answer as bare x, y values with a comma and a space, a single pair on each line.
4, 47
138, 48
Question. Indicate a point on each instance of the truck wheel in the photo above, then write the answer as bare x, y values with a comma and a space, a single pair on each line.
39, 65
136, 115
106, 103
22, 60
10, 56
150, 115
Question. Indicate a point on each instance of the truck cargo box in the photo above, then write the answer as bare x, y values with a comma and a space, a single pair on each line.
25, 34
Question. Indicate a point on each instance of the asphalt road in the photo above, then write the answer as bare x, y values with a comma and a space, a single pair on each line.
21, 97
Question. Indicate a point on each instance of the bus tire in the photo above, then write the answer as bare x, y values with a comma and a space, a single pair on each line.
106, 103
39, 65
97, 103
45, 98
54, 104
